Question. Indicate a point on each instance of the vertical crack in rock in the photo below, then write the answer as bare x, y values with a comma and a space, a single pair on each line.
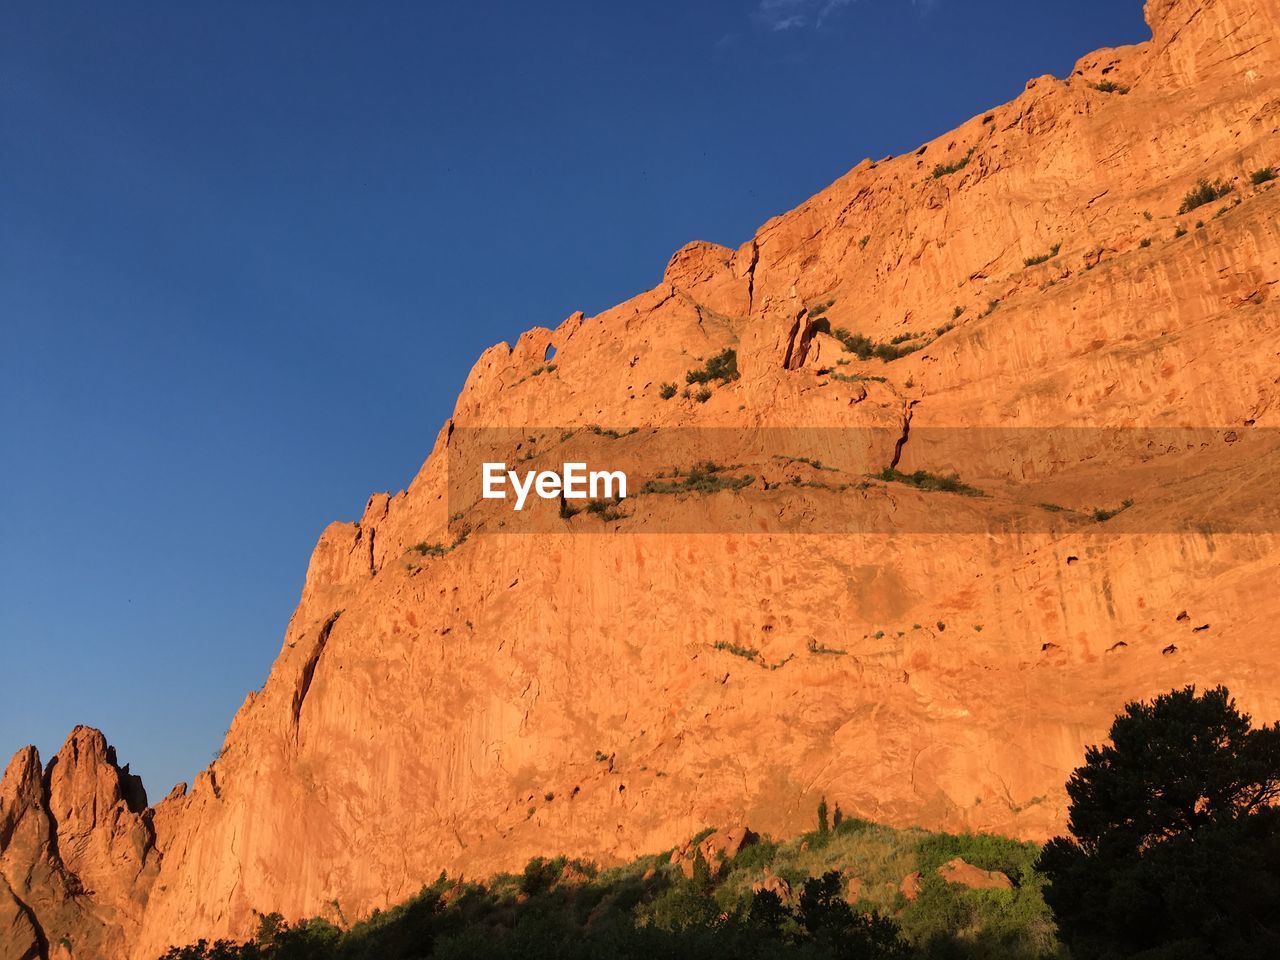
906, 434
799, 340
309, 669
751, 276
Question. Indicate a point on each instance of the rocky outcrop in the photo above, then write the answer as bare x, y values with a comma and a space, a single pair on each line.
714, 849
975, 878
77, 853
489, 697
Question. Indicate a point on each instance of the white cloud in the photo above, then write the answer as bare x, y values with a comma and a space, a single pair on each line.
794, 14
779, 15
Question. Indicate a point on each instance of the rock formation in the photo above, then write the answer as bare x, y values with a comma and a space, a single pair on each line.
501, 696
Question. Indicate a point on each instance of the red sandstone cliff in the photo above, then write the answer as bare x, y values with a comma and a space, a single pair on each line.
449, 712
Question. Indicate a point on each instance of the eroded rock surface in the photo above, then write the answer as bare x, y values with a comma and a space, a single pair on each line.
512, 696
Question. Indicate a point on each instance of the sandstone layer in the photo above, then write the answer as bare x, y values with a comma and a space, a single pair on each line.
583, 690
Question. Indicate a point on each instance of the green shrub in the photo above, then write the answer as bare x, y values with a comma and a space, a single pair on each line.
1265, 175
1106, 86
1202, 193
865, 348
1044, 257
706, 477
923, 480
606, 510
1102, 516
942, 170
612, 434
667, 391
722, 367
703, 394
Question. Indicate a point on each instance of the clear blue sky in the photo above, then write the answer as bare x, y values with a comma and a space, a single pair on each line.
249, 251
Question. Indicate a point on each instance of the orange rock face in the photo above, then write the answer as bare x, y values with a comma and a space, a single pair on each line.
584, 690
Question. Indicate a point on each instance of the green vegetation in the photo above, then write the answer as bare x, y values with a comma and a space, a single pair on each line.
1173, 854
1181, 231
862, 244
865, 348
703, 394
1265, 175
923, 480
1202, 193
942, 170
1175, 846
746, 653
1144, 242
816, 464
612, 434
1044, 257
819, 650
722, 367
1106, 86
1102, 516
857, 378
706, 477
572, 910
439, 549
606, 510
545, 368
667, 391
818, 309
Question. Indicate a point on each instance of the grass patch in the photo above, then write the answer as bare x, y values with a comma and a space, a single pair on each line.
1106, 86
612, 434
1043, 258
606, 510
931, 482
818, 649
945, 169
746, 653
706, 477
857, 378
425, 549
816, 464
1202, 193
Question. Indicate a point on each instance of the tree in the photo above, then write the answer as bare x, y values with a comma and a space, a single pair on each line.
1175, 836
823, 825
